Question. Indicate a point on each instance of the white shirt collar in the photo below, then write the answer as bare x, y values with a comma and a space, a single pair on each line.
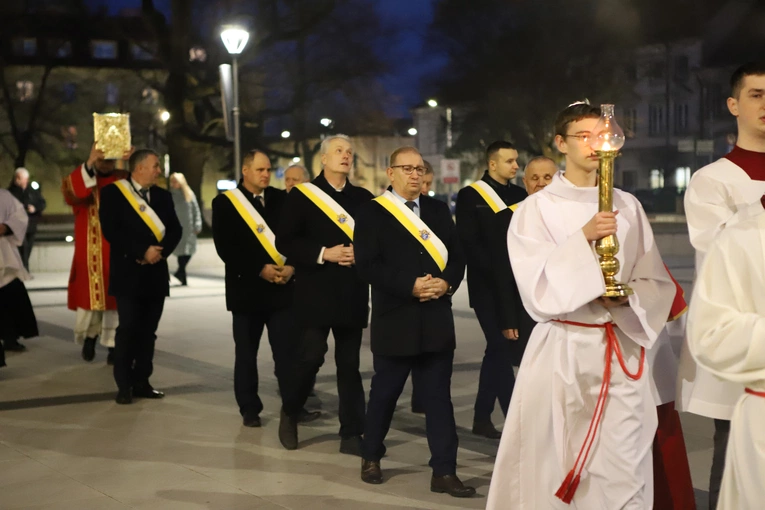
416, 200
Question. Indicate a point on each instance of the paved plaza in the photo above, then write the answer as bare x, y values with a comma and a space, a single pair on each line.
65, 444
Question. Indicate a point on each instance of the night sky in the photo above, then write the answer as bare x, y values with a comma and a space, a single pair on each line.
408, 64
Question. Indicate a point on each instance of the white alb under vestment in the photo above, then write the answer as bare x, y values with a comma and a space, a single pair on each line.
719, 195
561, 373
96, 323
726, 336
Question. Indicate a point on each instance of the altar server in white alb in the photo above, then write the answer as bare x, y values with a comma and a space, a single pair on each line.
726, 335
582, 419
720, 195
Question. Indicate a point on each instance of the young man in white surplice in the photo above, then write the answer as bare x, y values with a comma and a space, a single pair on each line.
571, 441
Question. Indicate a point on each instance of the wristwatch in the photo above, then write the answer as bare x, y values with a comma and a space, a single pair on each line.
450, 290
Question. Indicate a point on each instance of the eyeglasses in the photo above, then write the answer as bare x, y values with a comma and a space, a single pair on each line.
582, 138
408, 169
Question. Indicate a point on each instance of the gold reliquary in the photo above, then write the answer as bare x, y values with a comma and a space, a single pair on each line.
111, 131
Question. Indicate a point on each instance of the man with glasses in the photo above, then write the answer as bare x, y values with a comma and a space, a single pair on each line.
408, 250
484, 210
582, 420
316, 234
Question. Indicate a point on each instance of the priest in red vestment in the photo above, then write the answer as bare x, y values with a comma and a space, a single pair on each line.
89, 278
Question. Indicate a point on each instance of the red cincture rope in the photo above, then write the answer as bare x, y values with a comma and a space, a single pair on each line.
756, 393
571, 483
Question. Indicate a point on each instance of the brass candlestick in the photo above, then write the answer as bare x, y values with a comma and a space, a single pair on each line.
607, 139
608, 247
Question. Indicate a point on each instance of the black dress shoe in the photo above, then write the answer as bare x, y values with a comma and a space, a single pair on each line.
351, 445
147, 393
288, 435
13, 346
89, 349
124, 397
451, 485
307, 416
371, 472
486, 429
251, 420
110, 357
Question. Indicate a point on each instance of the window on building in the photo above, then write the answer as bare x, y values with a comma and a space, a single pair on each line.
716, 99
112, 94
682, 68
197, 54
104, 50
655, 70
25, 47
142, 51
630, 122
150, 96
657, 178
682, 177
25, 90
58, 48
681, 118
69, 92
655, 120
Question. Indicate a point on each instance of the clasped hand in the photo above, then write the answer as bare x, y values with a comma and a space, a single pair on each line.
342, 255
152, 255
427, 288
279, 275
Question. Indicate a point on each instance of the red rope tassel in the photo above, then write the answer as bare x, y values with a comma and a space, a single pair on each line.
568, 488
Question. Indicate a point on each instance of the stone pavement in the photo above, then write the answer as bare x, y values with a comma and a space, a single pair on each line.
65, 444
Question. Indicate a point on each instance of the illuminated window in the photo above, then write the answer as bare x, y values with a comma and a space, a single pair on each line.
682, 177
197, 54
657, 179
25, 46
25, 90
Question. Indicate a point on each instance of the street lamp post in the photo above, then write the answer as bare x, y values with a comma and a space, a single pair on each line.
235, 39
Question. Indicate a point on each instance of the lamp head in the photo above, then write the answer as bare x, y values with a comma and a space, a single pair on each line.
607, 135
235, 39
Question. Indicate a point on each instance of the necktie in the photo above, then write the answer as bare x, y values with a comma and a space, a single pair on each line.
144, 194
410, 204
261, 201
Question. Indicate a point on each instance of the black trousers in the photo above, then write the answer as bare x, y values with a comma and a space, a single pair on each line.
432, 376
25, 250
497, 379
308, 357
248, 329
134, 340
722, 431
183, 261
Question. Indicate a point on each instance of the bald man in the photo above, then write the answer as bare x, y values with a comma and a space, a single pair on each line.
538, 173
294, 175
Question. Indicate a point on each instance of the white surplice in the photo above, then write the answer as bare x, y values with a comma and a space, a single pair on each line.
726, 335
12, 213
719, 195
560, 376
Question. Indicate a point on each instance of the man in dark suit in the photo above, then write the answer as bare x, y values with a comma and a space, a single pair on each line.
484, 210
139, 222
408, 250
259, 283
316, 235
34, 204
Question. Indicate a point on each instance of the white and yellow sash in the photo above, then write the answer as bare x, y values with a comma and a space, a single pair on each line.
257, 224
416, 227
328, 206
144, 211
491, 197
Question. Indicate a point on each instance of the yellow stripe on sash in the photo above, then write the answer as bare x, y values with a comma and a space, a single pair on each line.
326, 209
514, 206
486, 197
123, 187
256, 229
412, 228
